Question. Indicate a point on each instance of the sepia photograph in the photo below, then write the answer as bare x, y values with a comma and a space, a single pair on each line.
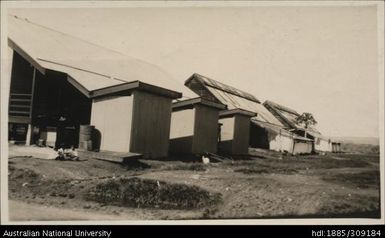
192, 111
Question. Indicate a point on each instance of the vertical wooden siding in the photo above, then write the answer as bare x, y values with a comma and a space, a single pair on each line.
205, 130
112, 117
150, 129
182, 131
241, 135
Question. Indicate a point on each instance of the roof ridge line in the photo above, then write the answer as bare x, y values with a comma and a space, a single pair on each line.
252, 97
88, 42
282, 107
85, 70
69, 35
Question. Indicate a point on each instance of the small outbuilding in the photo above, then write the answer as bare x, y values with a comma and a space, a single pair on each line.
321, 143
273, 137
235, 131
194, 127
336, 147
287, 117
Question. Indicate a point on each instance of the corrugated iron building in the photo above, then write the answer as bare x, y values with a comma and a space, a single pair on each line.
264, 125
287, 117
60, 82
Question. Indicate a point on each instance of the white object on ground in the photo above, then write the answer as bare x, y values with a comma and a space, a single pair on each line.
205, 160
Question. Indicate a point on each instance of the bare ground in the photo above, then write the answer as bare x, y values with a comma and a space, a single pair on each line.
342, 185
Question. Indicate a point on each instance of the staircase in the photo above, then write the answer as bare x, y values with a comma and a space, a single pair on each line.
20, 107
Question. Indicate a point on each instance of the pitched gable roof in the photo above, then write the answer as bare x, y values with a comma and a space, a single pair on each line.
223, 87
285, 115
281, 107
216, 91
92, 67
288, 117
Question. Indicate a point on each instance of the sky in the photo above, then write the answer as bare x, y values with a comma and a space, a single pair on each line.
321, 60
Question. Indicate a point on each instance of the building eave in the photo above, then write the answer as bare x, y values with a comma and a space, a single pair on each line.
135, 85
25, 55
197, 101
237, 111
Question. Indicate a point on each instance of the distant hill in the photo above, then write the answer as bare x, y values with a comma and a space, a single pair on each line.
366, 145
358, 140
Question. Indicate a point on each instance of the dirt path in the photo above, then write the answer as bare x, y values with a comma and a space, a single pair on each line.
22, 211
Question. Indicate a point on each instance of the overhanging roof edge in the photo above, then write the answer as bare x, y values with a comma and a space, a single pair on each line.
114, 89
200, 79
25, 55
235, 112
200, 101
135, 85
159, 90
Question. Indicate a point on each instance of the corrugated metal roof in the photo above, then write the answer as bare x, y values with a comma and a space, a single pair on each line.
282, 108
290, 116
235, 100
93, 67
271, 127
226, 88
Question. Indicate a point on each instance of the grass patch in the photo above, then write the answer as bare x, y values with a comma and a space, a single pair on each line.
136, 165
176, 165
360, 148
317, 162
374, 158
365, 179
190, 166
135, 192
266, 170
251, 171
23, 174
357, 205
294, 164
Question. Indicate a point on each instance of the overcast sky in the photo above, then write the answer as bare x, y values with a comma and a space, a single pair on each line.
321, 60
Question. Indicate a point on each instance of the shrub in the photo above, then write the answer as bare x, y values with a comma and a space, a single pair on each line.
135, 192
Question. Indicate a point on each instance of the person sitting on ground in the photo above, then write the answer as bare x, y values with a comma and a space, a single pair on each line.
67, 154
72, 153
60, 154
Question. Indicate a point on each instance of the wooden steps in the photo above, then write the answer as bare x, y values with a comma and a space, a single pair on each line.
111, 156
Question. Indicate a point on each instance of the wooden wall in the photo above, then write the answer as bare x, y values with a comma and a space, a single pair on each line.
241, 135
182, 131
282, 143
150, 129
302, 147
235, 135
194, 130
322, 145
205, 130
112, 117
